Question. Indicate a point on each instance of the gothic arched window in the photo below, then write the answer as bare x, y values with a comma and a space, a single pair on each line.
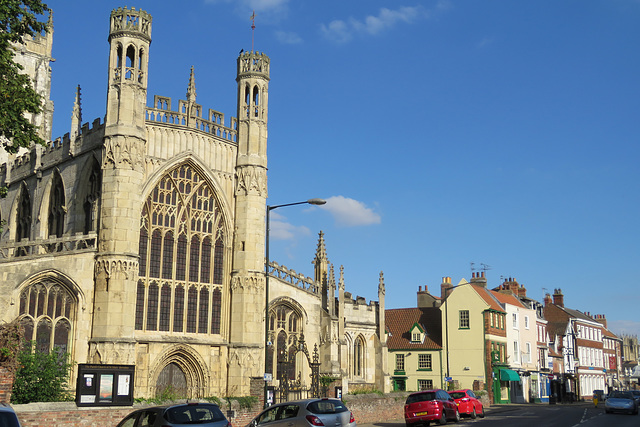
57, 207
47, 314
92, 201
358, 356
23, 219
285, 327
182, 249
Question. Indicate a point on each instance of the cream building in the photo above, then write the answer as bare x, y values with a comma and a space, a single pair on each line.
140, 240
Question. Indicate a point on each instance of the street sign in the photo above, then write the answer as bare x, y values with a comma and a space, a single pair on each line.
268, 377
448, 379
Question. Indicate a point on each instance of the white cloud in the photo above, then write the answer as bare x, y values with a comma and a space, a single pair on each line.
342, 31
349, 212
288, 38
280, 229
338, 31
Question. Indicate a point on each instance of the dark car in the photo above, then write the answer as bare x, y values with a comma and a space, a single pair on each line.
8, 416
186, 414
304, 413
621, 401
425, 406
468, 403
636, 394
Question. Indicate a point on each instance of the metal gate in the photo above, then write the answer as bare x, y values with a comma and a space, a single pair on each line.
292, 389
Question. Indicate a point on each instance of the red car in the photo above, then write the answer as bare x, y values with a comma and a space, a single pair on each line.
425, 406
468, 403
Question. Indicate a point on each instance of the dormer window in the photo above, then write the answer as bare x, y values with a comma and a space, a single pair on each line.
417, 334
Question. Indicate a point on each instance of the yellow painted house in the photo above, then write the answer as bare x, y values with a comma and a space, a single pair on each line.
474, 338
414, 348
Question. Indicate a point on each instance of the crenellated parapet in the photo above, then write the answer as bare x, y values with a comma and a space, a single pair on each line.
213, 124
55, 152
253, 63
129, 20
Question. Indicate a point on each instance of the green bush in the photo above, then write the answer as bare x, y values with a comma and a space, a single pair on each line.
41, 376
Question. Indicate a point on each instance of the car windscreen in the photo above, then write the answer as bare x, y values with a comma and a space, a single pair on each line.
326, 407
457, 394
420, 397
621, 395
193, 414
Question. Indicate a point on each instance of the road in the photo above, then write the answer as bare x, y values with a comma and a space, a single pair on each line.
572, 415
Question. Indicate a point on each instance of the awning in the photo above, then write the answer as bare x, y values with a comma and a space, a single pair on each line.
509, 375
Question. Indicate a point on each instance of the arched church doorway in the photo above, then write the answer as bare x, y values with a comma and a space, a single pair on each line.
172, 381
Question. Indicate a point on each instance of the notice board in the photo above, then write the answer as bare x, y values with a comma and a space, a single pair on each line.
105, 385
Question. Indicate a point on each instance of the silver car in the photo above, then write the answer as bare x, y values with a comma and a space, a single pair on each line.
621, 401
187, 414
305, 413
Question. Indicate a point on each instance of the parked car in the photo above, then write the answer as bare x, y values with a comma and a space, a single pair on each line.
201, 414
8, 417
621, 401
468, 403
304, 413
425, 406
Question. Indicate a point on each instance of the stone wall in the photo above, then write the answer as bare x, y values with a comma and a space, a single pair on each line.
366, 408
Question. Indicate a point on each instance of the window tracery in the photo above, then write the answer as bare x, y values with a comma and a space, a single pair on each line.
46, 313
181, 233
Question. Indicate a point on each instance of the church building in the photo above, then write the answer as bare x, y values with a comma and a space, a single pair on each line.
140, 240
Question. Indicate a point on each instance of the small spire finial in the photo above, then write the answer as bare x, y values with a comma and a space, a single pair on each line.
76, 115
191, 89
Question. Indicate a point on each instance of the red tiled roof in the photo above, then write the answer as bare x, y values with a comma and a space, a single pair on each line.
507, 298
485, 294
399, 322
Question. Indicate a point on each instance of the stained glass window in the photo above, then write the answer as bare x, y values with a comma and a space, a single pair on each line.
182, 242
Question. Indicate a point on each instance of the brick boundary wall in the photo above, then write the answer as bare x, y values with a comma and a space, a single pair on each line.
366, 408
6, 384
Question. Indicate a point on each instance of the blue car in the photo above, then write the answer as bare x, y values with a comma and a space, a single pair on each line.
8, 417
621, 401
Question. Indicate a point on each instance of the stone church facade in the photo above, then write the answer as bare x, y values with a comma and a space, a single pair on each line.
140, 240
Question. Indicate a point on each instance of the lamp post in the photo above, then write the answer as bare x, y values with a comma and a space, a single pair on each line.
266, 285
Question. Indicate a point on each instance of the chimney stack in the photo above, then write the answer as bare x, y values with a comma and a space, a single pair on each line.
547, 300
558, 298
601, 318
445, 287
479, 279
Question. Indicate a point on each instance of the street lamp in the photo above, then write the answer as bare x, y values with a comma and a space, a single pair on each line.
266, 285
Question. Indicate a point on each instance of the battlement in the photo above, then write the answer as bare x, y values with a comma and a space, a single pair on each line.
54, 151
125, 20
253, 63
161, 112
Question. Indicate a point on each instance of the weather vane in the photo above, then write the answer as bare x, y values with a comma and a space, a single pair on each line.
253, 27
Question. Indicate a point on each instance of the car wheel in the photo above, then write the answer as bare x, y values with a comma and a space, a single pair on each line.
473, 414
607, 411
443, 419
482, 412
457, 418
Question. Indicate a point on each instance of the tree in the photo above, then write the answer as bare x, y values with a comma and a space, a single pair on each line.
42, 376
18, 18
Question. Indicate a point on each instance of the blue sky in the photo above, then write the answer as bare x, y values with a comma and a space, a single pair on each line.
442, 133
